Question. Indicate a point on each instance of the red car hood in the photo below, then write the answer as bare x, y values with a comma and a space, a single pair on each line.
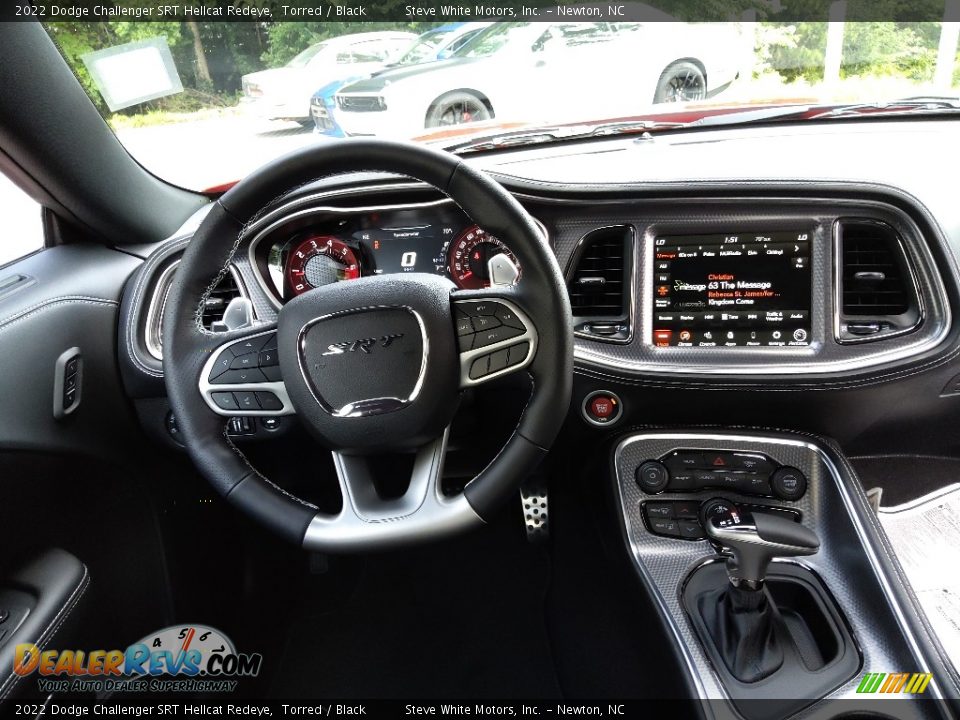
677, 114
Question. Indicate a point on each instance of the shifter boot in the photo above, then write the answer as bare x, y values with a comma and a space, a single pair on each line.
741, 623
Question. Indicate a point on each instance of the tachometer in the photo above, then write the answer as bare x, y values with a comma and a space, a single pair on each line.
320, 260
468, 255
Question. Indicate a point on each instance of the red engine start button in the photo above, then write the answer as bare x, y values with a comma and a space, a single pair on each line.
602, 408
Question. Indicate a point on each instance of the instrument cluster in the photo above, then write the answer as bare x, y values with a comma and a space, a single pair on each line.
301, 256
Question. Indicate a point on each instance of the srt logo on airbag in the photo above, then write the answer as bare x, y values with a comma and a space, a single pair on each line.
365, 345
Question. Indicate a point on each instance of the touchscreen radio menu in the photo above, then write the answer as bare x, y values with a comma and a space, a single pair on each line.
732, 290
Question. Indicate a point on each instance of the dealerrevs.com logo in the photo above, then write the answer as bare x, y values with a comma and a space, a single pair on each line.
179, 658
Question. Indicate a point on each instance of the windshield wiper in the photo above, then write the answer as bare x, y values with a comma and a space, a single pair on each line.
556, 133
626, 127
902, 106
549, 134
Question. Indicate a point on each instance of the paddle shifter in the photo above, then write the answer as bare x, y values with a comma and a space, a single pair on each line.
741, 617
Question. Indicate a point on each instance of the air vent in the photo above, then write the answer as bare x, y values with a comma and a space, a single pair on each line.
877, 295
213, 310
599, 283
225, 291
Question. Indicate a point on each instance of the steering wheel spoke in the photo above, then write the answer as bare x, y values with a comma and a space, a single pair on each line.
494, 336
242, 376
420, 513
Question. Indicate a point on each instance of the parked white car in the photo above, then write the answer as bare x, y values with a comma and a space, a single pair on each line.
284, 93
546, 71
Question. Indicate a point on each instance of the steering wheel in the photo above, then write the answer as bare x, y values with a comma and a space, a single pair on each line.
371, 365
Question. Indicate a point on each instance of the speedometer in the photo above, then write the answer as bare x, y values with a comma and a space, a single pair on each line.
468, 256
320, 260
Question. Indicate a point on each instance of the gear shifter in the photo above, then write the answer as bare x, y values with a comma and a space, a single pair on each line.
755, 538
740, 617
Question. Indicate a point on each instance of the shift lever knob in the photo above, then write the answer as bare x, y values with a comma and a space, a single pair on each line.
755, 538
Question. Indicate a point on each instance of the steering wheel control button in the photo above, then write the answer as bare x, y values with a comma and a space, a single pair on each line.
494, 335
652, 477
480, 367
246, 347
496, 325
268, 358
484, 322
464, 326
479, 309
518, 353
602, 407
269, 401
788, 483
499, 360
247, 400
271, 373
224, 360
239, 377
244, 361
509, 318
225, 401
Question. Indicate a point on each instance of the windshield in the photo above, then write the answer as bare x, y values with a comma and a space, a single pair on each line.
190, 102
503, 35
425, 47
302, 59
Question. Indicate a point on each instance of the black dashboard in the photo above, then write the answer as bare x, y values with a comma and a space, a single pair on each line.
746, 277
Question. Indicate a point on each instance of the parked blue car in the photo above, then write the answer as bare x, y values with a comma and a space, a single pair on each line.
435, 44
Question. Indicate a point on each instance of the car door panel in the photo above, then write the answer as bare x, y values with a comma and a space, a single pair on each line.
62, 298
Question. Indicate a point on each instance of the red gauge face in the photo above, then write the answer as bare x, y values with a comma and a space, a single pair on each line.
468, 255
320, 260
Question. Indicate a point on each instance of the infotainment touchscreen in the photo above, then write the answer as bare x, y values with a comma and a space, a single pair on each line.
743, 289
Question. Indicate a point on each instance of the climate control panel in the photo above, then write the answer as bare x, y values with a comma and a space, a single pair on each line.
685, 519
747, 473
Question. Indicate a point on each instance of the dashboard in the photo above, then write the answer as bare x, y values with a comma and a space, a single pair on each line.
326, 245
748, 276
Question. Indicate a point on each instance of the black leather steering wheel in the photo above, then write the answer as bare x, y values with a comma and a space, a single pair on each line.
372, 364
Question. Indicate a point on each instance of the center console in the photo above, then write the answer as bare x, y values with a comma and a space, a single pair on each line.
770, 571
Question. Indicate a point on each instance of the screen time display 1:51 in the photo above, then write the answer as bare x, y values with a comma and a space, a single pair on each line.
738, 289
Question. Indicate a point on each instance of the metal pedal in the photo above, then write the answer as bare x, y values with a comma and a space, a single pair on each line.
533, 498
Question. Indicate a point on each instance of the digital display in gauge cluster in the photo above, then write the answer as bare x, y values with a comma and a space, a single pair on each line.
383, 244
732, 290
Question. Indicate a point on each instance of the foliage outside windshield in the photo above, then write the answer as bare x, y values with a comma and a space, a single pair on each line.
250, 94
